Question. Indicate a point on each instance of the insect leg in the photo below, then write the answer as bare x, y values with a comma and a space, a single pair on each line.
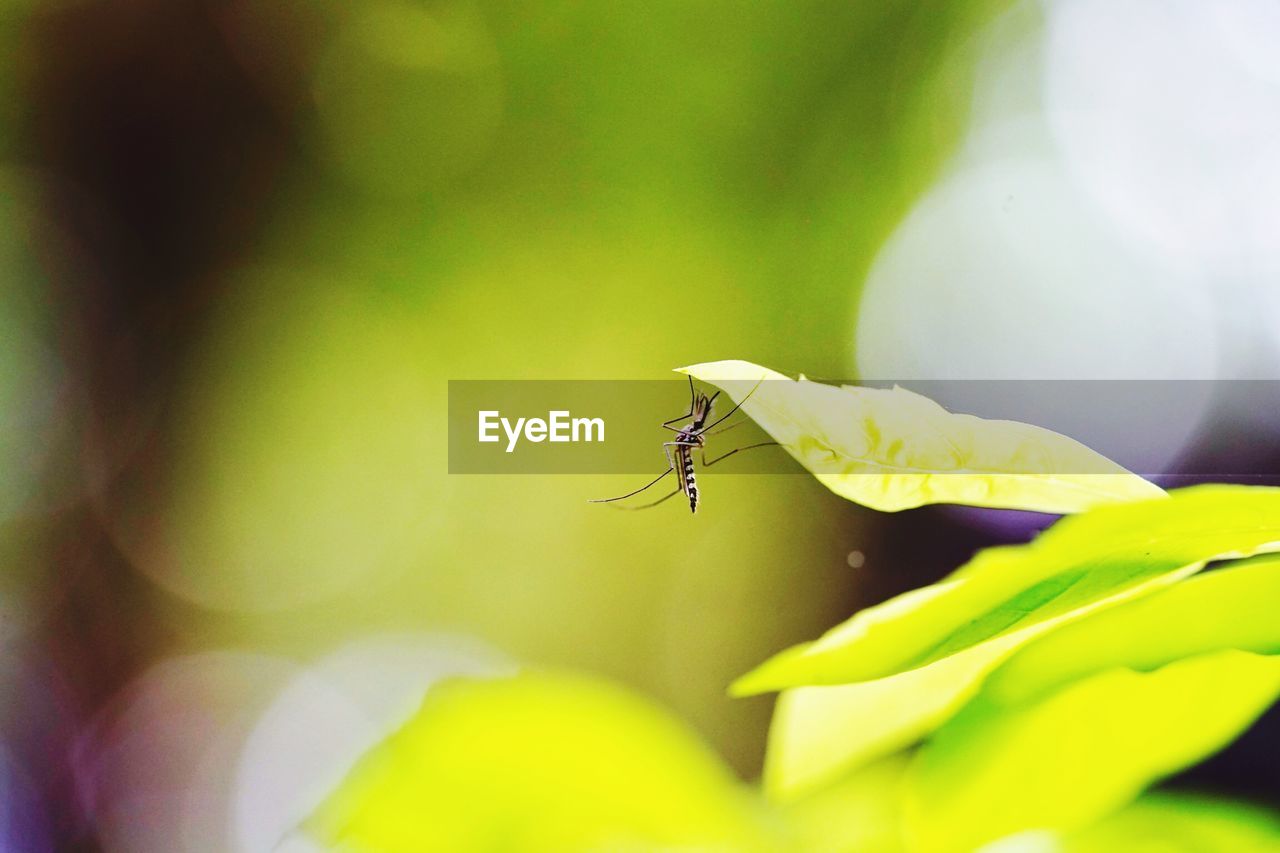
723, 429
637, 491
706, 464
691, 400
655, 503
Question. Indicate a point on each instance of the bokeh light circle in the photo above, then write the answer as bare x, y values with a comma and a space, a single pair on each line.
1166, 122
1004, 272
154, 767
303, 449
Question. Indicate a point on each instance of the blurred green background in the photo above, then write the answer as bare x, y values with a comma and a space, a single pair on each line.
396, 194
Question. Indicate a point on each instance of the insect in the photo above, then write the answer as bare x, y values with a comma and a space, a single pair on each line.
679, 450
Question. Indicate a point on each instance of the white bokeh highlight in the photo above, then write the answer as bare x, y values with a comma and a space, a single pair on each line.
1167, 114
1111, 214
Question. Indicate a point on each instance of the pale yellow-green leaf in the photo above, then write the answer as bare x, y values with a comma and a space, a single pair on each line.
820, 734
541, 762
895, 672
892, 449
1065, 760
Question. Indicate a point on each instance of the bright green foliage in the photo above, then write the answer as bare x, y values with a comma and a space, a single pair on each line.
894, 449
1079, 563
1068, 759
821, 733
1162, 822
863, 814
1026, 701
1081, 719
541, 762
907, 665
1231, 608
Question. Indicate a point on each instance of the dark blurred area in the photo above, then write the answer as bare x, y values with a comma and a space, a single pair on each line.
158, 157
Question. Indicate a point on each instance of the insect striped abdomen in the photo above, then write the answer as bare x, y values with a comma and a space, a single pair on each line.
688, 481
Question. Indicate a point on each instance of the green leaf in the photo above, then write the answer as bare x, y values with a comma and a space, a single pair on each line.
1033, 702
906, 666
1171, 822
541, 762
1230, 608
894, 449
1099, 558
1067, 759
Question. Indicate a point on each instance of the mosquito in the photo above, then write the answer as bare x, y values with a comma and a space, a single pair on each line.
694, 434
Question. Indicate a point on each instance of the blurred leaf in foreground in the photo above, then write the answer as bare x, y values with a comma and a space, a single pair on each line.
1065, 761
909, 664
860, 814
1165, 822
542, 762
892, 449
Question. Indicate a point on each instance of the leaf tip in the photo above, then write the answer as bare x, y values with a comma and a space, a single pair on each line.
746, 685
777, 673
